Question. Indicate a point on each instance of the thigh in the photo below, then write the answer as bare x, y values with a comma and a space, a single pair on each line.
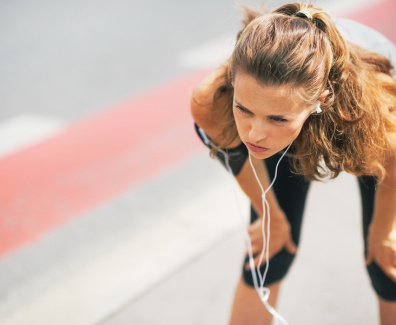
291, 191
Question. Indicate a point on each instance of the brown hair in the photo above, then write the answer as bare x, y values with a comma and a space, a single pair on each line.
351, 134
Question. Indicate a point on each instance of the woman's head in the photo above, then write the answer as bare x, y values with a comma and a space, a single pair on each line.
279, 70
268, 117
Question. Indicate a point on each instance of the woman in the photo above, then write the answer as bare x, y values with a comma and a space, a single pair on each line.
294, 80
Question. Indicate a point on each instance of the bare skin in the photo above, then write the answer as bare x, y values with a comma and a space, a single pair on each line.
248, 308
387, 312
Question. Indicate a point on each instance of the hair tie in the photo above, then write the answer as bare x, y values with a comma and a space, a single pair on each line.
304, 15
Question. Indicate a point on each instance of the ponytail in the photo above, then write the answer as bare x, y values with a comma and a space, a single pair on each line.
358, 112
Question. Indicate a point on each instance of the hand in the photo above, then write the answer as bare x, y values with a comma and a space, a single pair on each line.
280, 237
381, 248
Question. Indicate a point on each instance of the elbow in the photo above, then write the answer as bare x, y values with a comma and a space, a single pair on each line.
194, 108
200, 109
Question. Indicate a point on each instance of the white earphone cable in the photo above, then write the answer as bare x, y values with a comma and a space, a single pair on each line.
262, 291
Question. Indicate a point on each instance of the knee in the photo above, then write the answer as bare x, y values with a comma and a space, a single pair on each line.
279, 265
382, 284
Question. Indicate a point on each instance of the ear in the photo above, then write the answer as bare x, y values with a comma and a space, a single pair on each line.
322, 97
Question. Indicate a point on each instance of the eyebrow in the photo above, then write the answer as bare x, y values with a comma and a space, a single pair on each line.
271, 115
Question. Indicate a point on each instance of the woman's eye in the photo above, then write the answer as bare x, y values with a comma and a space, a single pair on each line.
242, 109
278, 119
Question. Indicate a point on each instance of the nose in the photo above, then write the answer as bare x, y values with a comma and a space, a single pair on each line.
258, 131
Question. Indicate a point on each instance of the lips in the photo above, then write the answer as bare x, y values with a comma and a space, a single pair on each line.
255, 148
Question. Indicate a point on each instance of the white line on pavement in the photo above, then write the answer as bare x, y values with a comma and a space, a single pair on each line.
24, 130
208, 54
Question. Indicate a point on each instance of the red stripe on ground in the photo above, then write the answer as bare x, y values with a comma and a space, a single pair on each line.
380, 16
94, 160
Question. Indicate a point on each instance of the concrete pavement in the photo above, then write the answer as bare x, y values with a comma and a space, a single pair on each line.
327, 284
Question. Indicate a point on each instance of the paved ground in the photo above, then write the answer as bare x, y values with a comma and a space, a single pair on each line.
327, 285
166, 249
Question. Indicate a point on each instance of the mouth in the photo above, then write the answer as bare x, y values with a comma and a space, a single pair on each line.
255, 148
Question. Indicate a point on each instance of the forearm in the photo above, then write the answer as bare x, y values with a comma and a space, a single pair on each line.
384, 218
381, 241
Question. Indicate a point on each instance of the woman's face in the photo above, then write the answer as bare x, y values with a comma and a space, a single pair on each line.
267, 118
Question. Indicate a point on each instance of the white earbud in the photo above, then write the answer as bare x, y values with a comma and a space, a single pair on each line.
318, 109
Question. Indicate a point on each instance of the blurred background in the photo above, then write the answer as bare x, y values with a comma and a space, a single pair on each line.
111, 211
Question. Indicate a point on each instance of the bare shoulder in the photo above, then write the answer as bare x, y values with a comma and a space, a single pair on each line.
202, 108
392, 142
208, 115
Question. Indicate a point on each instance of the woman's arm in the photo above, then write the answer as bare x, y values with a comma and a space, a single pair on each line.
382, 234
206, 116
